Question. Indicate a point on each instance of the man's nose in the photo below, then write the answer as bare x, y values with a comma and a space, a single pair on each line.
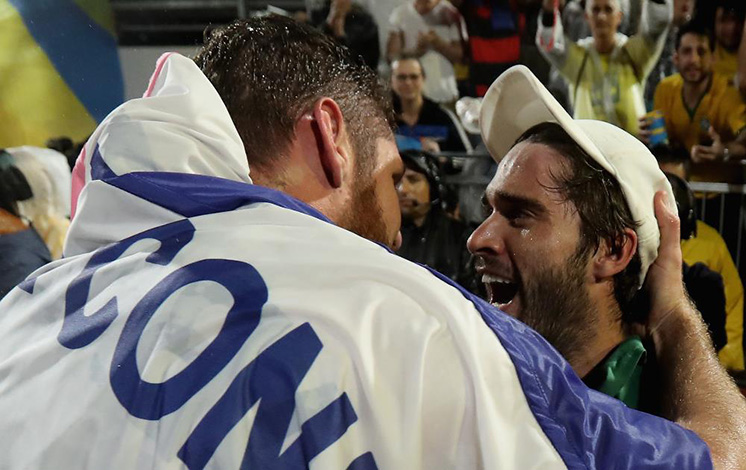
488, 238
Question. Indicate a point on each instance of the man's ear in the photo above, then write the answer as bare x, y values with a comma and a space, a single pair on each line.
611, 260
332, 141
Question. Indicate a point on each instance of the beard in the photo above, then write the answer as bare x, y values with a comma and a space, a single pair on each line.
694, 78
364, 215
557, 305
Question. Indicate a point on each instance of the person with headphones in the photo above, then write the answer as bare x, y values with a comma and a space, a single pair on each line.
703, 244
429, 235
21, 249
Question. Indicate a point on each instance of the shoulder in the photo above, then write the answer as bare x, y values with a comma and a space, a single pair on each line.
706, 247
448, 13
720, 84
709, 233
669, 86
723, 87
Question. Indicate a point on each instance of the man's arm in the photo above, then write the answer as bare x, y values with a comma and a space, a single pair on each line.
697, 392
394, 45
645, 48
452, 50
719, 150
554, 45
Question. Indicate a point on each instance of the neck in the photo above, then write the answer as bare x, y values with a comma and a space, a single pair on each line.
412, 106
604, 45
420, 220
610, 333
693, 92
10, 223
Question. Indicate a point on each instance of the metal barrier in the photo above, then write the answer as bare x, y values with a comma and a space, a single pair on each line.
727, 200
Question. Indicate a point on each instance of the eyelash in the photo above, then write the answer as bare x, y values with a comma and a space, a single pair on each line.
486, 209
517, 218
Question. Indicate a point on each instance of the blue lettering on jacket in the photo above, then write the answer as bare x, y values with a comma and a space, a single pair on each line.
271, 380
154, 400
273, 377
79, 330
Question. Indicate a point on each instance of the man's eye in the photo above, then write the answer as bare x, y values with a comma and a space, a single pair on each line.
486, 208
516, 216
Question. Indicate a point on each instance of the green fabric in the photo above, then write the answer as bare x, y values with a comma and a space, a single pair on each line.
623, 372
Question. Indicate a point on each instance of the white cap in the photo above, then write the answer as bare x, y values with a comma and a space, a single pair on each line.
517, 101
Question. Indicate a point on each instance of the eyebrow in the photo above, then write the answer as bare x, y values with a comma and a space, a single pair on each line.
533, 205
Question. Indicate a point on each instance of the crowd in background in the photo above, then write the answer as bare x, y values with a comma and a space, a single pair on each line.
666, 71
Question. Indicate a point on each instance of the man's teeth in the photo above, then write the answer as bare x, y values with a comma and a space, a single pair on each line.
493, 278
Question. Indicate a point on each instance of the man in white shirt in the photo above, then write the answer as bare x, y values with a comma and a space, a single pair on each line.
434, 31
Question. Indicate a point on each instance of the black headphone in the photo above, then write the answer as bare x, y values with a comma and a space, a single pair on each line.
686, 204
427, 164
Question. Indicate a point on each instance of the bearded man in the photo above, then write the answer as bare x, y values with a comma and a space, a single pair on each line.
203, 318
566, 245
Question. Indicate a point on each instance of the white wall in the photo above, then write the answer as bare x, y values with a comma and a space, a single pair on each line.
138, 64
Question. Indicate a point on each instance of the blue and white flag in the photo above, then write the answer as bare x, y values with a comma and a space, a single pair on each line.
202, 322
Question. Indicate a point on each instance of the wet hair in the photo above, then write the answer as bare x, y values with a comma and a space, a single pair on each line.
698, 28
600, 204
269, 71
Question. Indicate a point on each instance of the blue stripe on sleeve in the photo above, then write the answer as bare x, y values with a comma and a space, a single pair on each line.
590, 431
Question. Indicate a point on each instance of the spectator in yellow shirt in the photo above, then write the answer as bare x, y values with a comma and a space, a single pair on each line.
709, 248
702, 112
729, 18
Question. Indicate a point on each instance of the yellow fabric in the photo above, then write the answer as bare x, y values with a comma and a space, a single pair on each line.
100, 12
627, 82
708, 247
35, 102
722, 107
725, 63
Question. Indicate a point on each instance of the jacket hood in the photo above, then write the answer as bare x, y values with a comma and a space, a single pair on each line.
180, 126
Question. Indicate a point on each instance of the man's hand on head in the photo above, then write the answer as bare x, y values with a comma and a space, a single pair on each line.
695, 391
664, 283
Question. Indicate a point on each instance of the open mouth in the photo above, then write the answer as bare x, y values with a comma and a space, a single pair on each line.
500, 291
